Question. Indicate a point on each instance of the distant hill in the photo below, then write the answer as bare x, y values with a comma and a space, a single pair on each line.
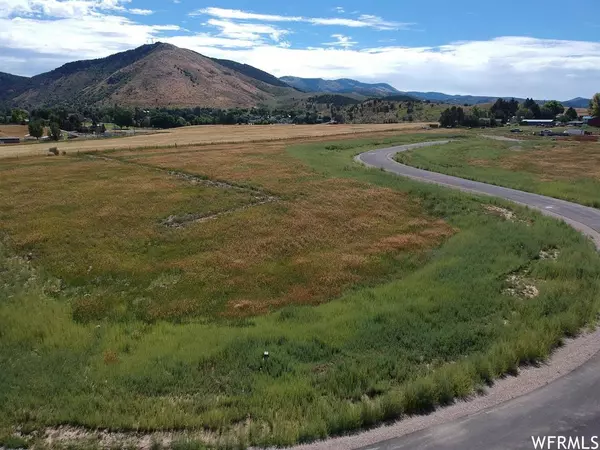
11, 85
252, 72
439, 97
400, 98
333, 99
578, 102
341, 86
157, 75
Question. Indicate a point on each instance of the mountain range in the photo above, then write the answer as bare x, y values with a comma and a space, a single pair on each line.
346, 86
163, 75
341, 86
439, 97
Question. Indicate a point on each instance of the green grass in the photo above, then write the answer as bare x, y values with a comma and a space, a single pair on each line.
437, 331
565, 170
13, 442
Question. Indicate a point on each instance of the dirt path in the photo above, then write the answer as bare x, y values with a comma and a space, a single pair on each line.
500, 138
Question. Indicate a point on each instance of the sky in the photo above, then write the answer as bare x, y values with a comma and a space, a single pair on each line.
543, 49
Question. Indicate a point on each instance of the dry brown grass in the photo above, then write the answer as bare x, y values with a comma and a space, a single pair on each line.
13, 131
98, 222
205, 135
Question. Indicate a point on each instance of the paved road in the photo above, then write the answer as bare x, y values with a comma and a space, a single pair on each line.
569, 406
583, 218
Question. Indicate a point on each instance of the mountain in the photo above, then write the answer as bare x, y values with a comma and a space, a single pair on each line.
252, 72
341, 86
578, 102
439, 97
157, 75
10, 85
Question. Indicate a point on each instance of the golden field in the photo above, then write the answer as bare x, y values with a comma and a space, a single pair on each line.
205, 135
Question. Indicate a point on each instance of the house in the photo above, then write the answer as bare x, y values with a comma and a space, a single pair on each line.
574, 132
586, 119
594, 122
538, 122
9, 140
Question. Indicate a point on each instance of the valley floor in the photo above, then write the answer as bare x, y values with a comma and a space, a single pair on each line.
141, 289
205, 134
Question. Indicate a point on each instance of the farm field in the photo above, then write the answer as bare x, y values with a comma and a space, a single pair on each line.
203, 135
561, 169
13, 131
141, 289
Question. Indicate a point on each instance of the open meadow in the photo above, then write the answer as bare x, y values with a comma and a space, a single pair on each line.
565, 169
141, 287
186, 136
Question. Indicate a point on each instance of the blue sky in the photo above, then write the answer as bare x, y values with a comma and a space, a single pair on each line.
546, 49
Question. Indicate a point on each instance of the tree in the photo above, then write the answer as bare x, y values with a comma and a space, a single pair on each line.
18, 116
54, 133
524, 113
452, 117
547, 113
556, 107
571, 114
36, 129
446, 118
595, 105
529, 103
123, 117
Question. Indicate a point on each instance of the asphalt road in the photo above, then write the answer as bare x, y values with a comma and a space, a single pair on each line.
569, 406
582, 218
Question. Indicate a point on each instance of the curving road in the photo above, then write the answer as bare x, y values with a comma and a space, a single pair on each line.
582, 218
568, 406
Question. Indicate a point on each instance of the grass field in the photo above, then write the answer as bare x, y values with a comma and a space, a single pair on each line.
186, 136
375, 296
13, 131
562, 169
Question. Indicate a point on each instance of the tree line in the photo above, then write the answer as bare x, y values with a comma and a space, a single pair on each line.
502, 111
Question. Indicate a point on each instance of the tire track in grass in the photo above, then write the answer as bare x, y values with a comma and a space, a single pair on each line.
179, 221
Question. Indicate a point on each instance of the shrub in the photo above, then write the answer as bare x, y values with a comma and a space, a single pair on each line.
13, 442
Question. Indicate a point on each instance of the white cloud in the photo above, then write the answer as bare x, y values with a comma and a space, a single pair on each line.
39, 35
519, 66
58, 8
363, 21
247, 31
243, 15
62, 40
140, 12
339, 9
341, 41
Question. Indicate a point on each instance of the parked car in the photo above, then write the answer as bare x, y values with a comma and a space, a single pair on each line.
516, 130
